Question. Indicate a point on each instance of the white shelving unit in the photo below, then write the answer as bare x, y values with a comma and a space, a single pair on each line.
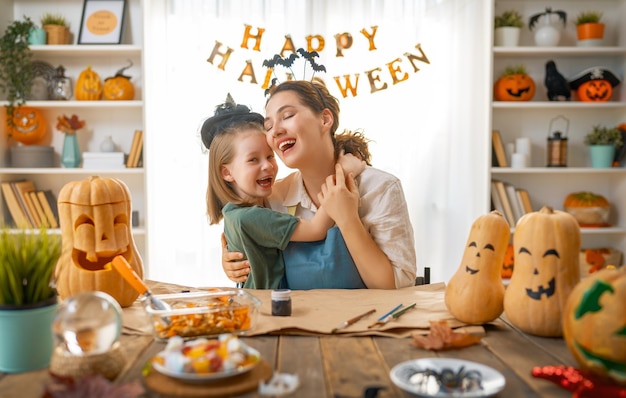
550, 185
117, 119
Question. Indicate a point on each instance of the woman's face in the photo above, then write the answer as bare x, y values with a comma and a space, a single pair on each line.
253, 169
294, 131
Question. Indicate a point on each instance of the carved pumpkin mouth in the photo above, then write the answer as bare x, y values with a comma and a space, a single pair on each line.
541, 290
470, 271
80, 259
508, 267
518, 93
597, 96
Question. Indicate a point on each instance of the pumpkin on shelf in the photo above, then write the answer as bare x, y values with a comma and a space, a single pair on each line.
594, 84
29, 125
95, 220
594, 323
119, 87
508, 265
514, 85
88, 86
475, 292
547, 246
588, 208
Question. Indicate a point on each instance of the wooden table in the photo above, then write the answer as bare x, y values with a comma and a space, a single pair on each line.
342, 367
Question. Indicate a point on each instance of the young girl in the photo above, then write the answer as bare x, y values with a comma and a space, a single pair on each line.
242, 171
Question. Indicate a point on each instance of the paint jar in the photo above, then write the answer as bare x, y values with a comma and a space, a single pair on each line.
281, 302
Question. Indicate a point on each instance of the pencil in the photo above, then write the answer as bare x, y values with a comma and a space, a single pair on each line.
390, 312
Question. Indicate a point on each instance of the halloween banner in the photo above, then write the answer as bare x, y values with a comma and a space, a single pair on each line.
234, 54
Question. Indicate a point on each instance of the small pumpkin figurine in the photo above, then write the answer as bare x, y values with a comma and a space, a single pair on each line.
475, 292
588, 208
508, 265
119, 87
88, 86
594, 323
594, 84
29, 125
95, 221
514, 85
547, 247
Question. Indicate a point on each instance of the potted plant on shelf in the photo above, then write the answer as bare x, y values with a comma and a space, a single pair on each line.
56, 28
603, 142
589, 29
28, 298
507, 27
16, 76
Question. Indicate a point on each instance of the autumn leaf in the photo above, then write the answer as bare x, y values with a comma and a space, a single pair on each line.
442, 337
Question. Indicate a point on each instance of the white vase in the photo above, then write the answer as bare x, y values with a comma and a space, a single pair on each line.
547, 36
507, 36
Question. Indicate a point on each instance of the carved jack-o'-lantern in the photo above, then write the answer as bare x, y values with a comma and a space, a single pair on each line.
88, 86
119, 87
95, 220
508, 265
475, 292
29, 125
597, 90
514, 85
547, 246
594, 323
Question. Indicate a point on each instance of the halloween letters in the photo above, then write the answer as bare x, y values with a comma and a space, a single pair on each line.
394, 71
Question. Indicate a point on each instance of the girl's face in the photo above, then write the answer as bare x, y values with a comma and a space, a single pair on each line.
294, 132
253, 169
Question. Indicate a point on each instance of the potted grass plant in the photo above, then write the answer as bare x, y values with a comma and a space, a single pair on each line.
56, 27
28, 299
507, 28
603, 142
589, 29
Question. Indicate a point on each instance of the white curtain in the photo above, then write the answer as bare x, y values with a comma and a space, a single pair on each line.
430, 130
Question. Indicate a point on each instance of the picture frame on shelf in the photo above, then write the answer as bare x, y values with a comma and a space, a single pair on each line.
102, 22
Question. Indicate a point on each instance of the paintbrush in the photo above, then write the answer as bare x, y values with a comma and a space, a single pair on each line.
352, 321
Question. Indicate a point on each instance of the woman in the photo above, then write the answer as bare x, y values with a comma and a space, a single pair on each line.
301, 120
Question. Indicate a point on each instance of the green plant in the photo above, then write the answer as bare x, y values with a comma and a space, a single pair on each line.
53, 19
16, 75
588, 17
27, 262
601, 135
509, 18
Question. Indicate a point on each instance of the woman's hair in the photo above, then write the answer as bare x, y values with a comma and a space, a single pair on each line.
353, 142
219, 134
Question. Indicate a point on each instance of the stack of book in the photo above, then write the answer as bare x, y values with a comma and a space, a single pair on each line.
512, 202
103, 160
135, 155
28, 207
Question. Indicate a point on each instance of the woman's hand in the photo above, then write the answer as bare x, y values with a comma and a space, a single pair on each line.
340, 196
236, 269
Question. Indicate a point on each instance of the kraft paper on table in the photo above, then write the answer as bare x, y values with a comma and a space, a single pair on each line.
319, 311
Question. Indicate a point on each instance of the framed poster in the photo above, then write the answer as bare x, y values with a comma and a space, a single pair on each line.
102, 22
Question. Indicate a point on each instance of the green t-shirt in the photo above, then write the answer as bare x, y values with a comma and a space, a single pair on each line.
261, 234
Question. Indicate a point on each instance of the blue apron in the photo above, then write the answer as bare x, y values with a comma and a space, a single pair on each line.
324, 264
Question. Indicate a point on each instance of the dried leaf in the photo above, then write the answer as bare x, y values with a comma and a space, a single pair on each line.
95, 386
442, 337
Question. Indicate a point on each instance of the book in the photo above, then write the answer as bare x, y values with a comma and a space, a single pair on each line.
516, 205
506, 204
495, 199
39, 209
23, 188
135, 148
49, 204
524, 199
498, 149
15, 209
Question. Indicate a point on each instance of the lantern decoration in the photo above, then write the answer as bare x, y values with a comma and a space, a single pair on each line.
514, 85
475, 292
594, 323
594, 84
547, 247
119, 87
29, 125
88, 86
95, 221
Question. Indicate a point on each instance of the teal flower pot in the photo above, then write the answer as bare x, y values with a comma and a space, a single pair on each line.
26, 338
70, 156
602, 155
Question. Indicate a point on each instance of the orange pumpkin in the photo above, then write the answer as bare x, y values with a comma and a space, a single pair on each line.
596, 90
29, 125
589, 209
119, 87
594, 323
475, 292
508, 265
514, 85
88, 86
547, 247
95, 221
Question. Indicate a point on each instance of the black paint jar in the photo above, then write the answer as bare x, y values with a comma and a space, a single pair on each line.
281, 302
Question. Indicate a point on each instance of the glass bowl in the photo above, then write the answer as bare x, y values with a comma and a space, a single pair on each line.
204, 314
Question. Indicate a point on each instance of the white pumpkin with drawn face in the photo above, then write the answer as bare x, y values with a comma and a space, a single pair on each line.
475, 292
546, 245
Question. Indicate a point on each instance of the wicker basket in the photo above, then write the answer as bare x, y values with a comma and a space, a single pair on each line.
57, 34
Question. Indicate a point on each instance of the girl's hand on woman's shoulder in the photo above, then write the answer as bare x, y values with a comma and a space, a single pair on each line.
351, 163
